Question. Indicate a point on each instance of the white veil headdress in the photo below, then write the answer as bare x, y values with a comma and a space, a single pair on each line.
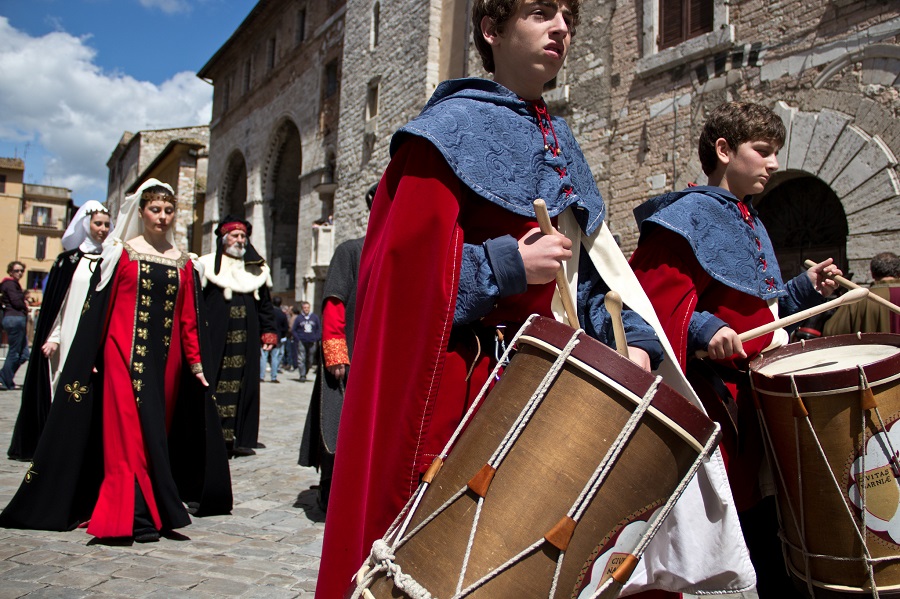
128, 226
78, 233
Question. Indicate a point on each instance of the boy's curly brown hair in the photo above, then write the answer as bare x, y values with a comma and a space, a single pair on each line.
736, 123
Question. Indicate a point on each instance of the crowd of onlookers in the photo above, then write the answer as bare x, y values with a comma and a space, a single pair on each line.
299, 332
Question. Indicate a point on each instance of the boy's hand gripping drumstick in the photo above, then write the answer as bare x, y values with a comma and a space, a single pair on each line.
851, 285
848, 298
543, 218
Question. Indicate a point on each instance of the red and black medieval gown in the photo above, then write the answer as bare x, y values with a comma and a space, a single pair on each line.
141, 421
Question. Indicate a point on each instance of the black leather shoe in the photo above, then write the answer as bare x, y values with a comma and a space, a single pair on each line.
146, 535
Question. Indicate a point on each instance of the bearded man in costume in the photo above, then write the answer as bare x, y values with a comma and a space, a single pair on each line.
236, 286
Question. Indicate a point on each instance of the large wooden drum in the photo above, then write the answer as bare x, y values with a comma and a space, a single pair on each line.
552, 485
828, 409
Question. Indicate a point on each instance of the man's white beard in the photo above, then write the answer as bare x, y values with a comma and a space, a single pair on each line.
235, 252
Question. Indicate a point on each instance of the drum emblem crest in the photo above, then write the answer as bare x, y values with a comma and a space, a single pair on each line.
873, 484
612, 551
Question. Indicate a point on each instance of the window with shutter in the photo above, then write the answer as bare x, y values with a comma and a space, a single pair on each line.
678, 32
680, 20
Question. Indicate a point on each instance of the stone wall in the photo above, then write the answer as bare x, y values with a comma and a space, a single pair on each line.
833, 65
286, 99
829, 67
399, 65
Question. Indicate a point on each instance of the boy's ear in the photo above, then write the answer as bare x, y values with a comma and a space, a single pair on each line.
723, 150
489, 30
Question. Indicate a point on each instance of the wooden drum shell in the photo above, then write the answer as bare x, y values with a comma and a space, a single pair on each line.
812, 511
548, 467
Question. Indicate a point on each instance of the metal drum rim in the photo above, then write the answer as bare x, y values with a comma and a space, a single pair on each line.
836, 381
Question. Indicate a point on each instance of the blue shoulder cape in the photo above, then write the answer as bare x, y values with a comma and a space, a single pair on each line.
491, 139
728, 249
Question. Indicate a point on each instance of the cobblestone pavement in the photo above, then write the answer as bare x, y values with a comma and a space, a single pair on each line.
268, 548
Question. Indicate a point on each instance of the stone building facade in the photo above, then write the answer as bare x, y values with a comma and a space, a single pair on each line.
636, 89
176, 156
395, 54
33, 219
273, 136
829, 69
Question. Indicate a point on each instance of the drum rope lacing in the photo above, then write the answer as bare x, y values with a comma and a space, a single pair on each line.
588, 492
660, 516
800, 523
382, 556
503, 449
366, 575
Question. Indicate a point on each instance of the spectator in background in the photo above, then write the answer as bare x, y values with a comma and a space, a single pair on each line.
867, 316
307, 330
273, 355
290, 358
15, 323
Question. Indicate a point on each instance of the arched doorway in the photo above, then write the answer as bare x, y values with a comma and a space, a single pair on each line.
234, 194
283, 203
857, 166
805, 220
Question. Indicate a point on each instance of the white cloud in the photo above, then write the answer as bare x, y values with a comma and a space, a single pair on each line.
168, 6
53, 95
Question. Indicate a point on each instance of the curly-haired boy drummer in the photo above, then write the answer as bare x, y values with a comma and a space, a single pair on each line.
707, 264
452, 253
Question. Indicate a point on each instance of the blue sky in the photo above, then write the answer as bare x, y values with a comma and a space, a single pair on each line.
77, 74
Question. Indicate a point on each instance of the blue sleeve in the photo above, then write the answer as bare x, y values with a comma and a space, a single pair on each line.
701, 329
596, 321
489, 271
801, 294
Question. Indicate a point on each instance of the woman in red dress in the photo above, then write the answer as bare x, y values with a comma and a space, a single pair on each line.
133, 433
151, 304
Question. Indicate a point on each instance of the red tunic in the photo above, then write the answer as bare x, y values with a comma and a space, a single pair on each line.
678, 286
124, 453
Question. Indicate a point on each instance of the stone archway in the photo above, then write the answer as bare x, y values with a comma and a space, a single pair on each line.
858, 168
805, 220
282, 193
234, 190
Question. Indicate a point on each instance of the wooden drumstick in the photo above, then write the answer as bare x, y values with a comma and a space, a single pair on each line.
613, 302
851, 285
543, 218
848, 298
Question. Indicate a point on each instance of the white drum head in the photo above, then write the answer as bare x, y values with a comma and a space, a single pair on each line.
829, 359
